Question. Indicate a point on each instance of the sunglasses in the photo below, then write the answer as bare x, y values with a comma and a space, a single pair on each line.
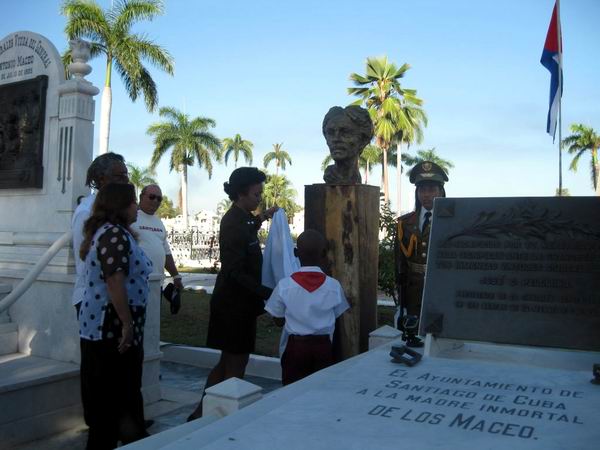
155, 197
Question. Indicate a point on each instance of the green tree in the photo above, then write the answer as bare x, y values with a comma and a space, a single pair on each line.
189, 141
370, 156
564, 193
280, 156
166, 209
386, 277
140, 177
427, 155
110, 33
236, 146
380, 91
584, 139
279, 191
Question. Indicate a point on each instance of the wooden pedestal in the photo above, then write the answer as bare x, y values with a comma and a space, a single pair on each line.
348, 216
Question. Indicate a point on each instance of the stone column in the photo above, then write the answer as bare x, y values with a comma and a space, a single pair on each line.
348, 216
75, 124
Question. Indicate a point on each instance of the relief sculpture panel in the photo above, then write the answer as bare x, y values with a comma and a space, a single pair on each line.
22, 118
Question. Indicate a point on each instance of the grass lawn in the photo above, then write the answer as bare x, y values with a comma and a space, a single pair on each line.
189, 326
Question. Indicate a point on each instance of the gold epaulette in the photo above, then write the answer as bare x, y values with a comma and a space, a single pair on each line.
412, 242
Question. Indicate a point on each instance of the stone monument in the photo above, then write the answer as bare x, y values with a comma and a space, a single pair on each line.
515, 271
347, 213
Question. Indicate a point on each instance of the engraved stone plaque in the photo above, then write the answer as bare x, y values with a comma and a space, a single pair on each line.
22, 116
369, 402
515, 270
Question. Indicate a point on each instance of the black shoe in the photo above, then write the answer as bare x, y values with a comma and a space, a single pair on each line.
414, 341
148, 423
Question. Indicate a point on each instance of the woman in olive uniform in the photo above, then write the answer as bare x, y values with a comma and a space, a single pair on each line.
412, 239
238, 296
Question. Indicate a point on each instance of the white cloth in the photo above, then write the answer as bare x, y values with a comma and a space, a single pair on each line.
81, 214
278, 257
307, 313
152, 237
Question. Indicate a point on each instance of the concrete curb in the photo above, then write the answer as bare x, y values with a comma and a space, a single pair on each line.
258, 365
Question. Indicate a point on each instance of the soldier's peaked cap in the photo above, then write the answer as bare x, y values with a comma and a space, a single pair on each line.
427, 171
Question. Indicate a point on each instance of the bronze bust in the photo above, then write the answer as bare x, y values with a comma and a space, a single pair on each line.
347, 131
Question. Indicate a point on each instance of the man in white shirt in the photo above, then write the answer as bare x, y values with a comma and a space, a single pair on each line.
107, 168
307, 304
152, 235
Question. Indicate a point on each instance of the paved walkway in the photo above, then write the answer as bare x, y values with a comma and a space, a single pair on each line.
180, 385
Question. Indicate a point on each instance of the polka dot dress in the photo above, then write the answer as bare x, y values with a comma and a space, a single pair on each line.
113, 250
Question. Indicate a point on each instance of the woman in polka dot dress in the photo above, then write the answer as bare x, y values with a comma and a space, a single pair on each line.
111, 320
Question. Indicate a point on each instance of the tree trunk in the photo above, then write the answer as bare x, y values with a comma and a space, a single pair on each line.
184, 198
399, 178
105, 110
595, 171
367, 173
386, 196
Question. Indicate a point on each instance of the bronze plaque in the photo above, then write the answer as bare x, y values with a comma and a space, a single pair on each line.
22, 117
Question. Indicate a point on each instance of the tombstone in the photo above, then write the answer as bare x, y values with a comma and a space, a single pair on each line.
369, 402
515, 271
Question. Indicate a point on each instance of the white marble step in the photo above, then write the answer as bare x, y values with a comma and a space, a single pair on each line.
39, 397
9, 338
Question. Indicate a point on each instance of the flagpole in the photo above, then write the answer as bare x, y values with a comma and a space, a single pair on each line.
560, 89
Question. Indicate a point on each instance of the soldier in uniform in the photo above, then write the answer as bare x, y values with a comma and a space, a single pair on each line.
410, 249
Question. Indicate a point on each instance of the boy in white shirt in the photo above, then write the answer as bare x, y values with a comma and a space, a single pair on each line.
307, 304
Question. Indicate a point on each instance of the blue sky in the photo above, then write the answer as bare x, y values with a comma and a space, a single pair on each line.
270, 70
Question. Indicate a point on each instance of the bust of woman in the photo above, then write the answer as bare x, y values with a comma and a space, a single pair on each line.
347, 131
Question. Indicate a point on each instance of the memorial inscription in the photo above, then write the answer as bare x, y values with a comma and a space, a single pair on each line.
521, 271
439, 403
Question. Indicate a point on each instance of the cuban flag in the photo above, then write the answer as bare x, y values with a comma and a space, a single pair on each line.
551, 61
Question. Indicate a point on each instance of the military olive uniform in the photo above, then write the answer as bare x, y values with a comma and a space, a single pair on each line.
410, 251
411, 260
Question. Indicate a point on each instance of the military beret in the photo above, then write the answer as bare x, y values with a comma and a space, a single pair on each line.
427, 171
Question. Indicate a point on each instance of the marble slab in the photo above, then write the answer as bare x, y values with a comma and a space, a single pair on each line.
373, 403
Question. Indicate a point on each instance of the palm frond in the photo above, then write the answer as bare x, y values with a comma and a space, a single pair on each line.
126, 12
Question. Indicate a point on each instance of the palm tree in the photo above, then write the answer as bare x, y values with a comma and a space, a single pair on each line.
380, 91
280, 156
411, 132
427, 155
140, 177
279, 191
584, 139
235, 146
189, 141
371, 155
110, 33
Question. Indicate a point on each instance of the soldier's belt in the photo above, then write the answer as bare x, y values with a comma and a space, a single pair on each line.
419, 268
